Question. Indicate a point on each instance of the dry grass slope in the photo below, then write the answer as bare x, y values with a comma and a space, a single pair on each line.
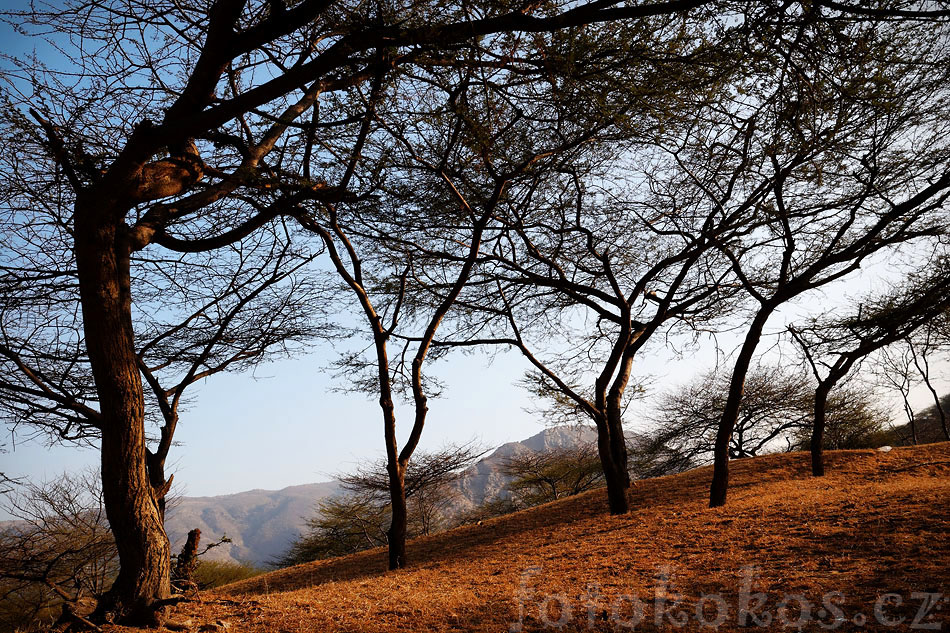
878, 523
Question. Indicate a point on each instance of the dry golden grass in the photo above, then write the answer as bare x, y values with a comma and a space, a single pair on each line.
878, 523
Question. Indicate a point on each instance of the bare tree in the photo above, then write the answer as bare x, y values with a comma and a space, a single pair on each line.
361, 518
854, 418
57, 551
777, 403
928, 340
352, 234
837, 179
896, 369
428, 483
550, 475
833, 347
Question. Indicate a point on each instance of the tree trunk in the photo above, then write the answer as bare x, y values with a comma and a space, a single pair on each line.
615, 474
396, 535
941, 413
611, 443
156, 476
400, 519
818, 431
730, 414
102, 263
616, 440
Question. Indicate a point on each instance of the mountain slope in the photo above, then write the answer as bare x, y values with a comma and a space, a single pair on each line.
484, 480
260, 523
877, 524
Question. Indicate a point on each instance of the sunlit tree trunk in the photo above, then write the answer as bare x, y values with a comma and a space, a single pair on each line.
102, 261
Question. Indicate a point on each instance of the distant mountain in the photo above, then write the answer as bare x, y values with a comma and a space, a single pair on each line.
262, 523
484, 481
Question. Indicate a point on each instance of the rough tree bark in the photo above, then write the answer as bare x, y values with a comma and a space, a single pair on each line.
102, 262
615, 474
399, 527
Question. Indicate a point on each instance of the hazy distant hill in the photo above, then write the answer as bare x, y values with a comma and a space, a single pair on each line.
484, 481
262, 523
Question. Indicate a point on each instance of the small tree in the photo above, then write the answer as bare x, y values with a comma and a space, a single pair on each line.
342, 525
833, 347
362, 518
57, 552
930, 340
776, 404
429, 478
652, 456
489, 509
540, 477
852, 420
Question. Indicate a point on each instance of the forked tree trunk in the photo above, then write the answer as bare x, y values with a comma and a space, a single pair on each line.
611, 443
614, 466
818, 431
102, 263
398, 529
730, 414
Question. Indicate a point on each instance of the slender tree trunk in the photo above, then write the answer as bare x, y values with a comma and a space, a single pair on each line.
938, 406
102, 262
398, 529
923, 366
616, 478
818, 430
396, 535
156, 477
730, 414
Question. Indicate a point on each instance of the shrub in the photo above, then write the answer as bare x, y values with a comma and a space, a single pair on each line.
209, 574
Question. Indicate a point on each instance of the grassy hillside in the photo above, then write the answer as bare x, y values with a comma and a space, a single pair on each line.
878, 524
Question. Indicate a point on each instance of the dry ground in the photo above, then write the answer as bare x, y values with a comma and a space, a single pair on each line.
878, 524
